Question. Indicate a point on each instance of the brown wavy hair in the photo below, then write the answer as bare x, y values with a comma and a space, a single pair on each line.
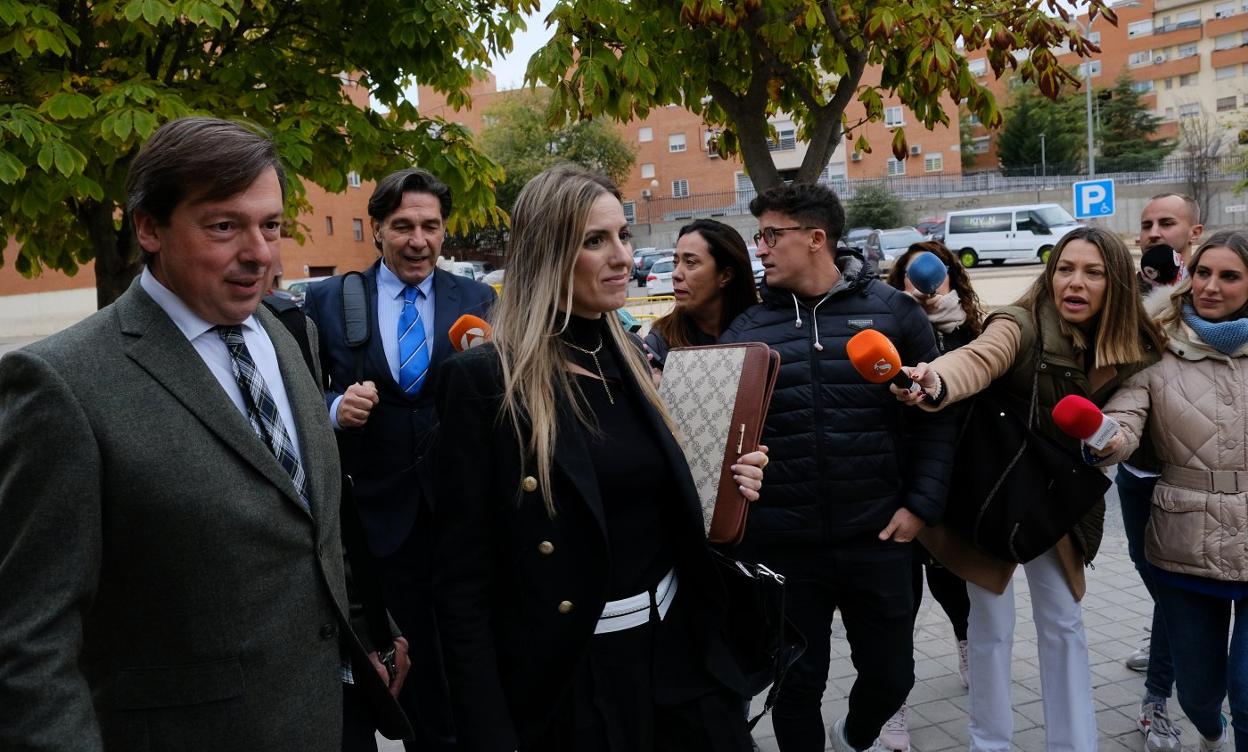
959, 280
728, 251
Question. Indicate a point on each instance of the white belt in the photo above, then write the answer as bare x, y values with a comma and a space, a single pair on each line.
634, 610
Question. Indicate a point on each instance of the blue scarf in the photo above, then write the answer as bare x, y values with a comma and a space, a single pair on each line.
1227, 337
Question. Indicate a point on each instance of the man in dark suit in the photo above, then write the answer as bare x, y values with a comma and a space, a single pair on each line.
170, 554
381, 400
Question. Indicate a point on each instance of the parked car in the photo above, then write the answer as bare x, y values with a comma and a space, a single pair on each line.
478, 270
883, 247
298, 288
857, 237
757, 265
1003, 233
933, 229
494, 278
659, 279
648, 260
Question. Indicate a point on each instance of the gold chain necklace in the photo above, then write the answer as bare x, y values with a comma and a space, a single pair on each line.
594, 354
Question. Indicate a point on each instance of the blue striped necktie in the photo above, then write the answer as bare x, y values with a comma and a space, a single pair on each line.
262, 412
413, 349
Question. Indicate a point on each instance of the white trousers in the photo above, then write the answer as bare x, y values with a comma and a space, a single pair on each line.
1065, 676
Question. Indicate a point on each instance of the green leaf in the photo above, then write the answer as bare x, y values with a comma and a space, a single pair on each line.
11, 168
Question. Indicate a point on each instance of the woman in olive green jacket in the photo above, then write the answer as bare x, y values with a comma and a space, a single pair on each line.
1094, 334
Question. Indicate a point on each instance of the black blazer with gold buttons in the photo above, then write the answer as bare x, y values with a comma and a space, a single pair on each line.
518, 593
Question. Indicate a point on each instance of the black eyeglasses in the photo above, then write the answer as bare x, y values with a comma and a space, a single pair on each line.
769, 235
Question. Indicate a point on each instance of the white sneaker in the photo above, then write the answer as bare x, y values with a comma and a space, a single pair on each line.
896, 734
1138, 660
1160, 735
836, 735
1215, 745
964, 664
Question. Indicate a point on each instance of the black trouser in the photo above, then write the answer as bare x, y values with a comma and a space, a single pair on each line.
359, 731
947, 588
406, 581
872, 588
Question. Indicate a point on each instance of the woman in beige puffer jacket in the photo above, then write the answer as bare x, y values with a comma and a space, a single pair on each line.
1195, 404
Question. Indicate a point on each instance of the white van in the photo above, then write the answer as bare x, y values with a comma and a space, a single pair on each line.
1003, 233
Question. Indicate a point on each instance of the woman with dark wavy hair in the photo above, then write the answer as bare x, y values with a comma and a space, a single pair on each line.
713, 283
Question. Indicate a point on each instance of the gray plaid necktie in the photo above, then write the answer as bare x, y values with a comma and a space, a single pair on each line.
262, 412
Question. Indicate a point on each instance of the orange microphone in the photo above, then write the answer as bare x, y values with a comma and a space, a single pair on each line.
468, 331
876, 359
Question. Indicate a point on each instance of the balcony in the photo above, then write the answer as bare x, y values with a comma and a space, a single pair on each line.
1176, 67
1229, 25
1232, 56
1164, 36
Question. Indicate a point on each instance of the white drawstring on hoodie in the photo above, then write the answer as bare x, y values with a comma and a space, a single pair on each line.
814, 315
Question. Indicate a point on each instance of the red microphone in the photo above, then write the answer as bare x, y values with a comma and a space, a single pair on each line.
876, 360
468, 331
1078, 417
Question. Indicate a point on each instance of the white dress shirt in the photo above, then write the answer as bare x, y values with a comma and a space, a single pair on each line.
216, 355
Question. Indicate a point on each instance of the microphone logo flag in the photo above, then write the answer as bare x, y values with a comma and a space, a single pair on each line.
883, 367
471, 338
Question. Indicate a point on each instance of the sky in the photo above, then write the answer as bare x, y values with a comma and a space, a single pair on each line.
510, 70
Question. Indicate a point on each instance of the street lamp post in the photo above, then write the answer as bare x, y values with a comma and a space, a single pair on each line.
1087, 89
1044, 167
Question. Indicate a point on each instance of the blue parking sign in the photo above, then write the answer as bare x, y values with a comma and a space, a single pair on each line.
1094, 198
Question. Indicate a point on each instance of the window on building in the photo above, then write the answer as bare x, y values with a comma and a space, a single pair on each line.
1167, 114
329, 225
322, 271
680, 188
893, 117
1188, 50
934, 162
630, 212
978, 66
676, 142
1224, 10
357, 229
1189, 18
647, 170
1140, 28
1187, 79
353, 179
980, 145
973, 119
1225, 41
1169, 83
744, 186
1189, 110
1143, 57
1142, 86
1090, 69
1095, 38
1243, 38
645, 135
1221, 74
1225, 104
787, 140
896, 167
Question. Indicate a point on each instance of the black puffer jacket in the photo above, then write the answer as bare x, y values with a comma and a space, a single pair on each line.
842, 459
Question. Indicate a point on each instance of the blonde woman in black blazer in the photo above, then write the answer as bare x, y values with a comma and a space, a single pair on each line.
580, 606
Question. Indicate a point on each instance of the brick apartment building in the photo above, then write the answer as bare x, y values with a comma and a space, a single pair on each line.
1187, 58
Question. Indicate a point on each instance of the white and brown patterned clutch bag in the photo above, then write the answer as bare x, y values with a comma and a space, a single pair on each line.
718, 397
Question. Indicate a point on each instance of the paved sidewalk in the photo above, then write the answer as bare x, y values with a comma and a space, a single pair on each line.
1116, 612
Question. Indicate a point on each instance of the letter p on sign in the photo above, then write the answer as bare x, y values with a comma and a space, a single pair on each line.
1094, 198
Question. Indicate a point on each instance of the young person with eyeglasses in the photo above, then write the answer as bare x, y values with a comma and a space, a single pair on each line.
850, 483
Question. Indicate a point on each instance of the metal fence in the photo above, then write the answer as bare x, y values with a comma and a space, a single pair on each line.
736, 203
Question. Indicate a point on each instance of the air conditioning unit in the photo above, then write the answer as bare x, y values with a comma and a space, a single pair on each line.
1158, 60
645, 193
856, 157
916, 150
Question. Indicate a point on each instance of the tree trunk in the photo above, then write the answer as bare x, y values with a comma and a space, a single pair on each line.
116, 258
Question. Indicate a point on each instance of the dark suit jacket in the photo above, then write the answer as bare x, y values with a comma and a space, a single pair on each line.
511, 653
386, 457
163, 586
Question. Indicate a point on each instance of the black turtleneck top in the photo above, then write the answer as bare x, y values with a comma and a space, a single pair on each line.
635, 480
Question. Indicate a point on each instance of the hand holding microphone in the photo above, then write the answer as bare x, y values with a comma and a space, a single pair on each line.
876, 359
1078, 417
469, 331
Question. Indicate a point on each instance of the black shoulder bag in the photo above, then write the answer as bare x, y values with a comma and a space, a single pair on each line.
1015, 492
